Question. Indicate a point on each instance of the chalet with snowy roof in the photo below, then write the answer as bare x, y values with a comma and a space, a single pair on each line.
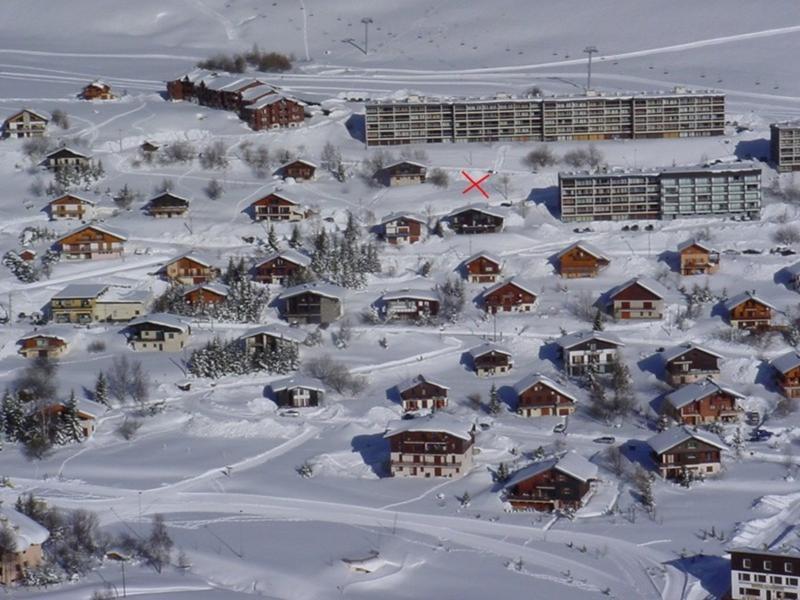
410, 305
540, 396
511, 295
703, 402
761, 574
118, 304
27, 254
405, 172
312, 303
422, 393
277, 206
148, 148
190, 269
28, 537
477, 218
489, 360
89, 302
183, 87
589, 349
258, 92
87, 413
581, 259
749, 311
206, 294
688, 363
224, 91
698, 258
298, 392
265, 339
483, 267
66, 157
299, 170
26, 123
787, 370
434, 446
97, 90
554, 484
158, 332
273, 111
682, 450
167, 205
70, 206
403, 228
48, 342
637, 298
91, 242
281, 267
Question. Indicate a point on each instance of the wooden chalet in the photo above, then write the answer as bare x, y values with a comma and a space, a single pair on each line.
148, 148
703, 402
97, 90
490, 359
298, 392
787, 370
48, 342
281, 267
682, 450
637, 298
581, 259
587, 350
552, 485
422, 393
510, 295
697, 258
276, 206
273, 112
749, 311
167, 205
26, 123
410, 305
184, 87
64, 158
403, 228
190, 269
761, 574
688, 363
70, 206
25, 546
206, 294
27, 254
87, 412
76, 303
266, 339
300, 170
477, 218
158, 332
92, 242
483, 267
434, 446
540, 396
225, 91
405, 172
312, 303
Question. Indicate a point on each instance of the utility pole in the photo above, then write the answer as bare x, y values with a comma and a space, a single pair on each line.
366, 21
589, 50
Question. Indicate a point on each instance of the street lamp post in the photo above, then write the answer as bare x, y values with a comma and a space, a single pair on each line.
120, 558
366, 21
589, 50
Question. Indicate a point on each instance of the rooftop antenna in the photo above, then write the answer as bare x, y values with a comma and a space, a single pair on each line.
589, 50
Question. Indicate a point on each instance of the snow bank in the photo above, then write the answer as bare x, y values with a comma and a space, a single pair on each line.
202, 426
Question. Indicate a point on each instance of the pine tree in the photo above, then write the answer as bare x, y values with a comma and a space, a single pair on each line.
598, 321
296, 240
68, 428
502, 474
494, 402
272, 238
13, 417
101, 389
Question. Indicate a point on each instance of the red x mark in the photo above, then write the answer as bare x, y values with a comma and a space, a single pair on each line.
476, 184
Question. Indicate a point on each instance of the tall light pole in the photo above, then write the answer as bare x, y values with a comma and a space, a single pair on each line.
589, 50
366, 21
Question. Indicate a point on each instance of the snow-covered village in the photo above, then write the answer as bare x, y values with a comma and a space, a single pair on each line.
311, 300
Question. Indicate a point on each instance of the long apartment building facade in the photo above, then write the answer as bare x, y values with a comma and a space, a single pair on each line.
722, 189
785, 145
416, 120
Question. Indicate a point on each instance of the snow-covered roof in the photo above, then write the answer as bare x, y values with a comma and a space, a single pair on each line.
37, 113
27, 532
194, 256
650, 285
298, 160
586, 247
163, 319
571, 463
272, 99
67, 150
430, 295
530, 471
405, 162
280, 195
403, 215
670, 438
515, 281
80, 290
794, 269
573, 339
219, 289
488, 347
437, 422
122, 295
328, 290
484, 208
414, 381
87, 407
698, 390
289, 254
738, 299
293, 334
254, 93
101, 228
532, 379
80, 199
62, 332
786, 362
168, 199
229, 83
484, 254
702, 245
678, 351
297, 381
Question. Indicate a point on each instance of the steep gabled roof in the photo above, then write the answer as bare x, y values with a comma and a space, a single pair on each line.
297, 381
437, 422
27, 532
404, 162
689, 243
586, 247
80, 290
282, 332
168, 199
277, 194
698, 390
738, 299
573, 339
192, 256
41, 114
298, 160
786, 362
328, 290
61, 332
525, 287
80, 199
101, 228
571, 463
487, 255
648, 284
66, 150
671, 354
403, 215
414, 381
163, 319
670, 438
529, 381
484, 208
430, 295
289, 254
487, 348
215, 288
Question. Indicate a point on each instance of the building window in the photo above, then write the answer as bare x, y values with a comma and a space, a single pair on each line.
768, 565
746, 563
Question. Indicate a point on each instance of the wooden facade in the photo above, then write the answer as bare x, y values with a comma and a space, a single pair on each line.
681, 450
581, 350
483, 269
702, 402
698, 259
43, 346
490, 360
273, 112
70, 206
205, 295
508, 297
298, 396
167, 205
578, 261
91, 242
158, 333
280, 268
758, 574
548, 488
787, 373
25, 551
636, 300
539, 397
404, 173
751, 313
65, 158
403, 229
408, 306
299, 170
422, 394
189, 270
690, 365
97, 90
429, 453
310, 306
277, 207
476, 220
25, 124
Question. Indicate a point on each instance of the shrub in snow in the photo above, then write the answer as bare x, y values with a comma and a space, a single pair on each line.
182, 151
306, 470
344, 259
786, 235
438, 177
219, 358
21, 269
452, 299
334, 374
60, 118
540, 157
214, 156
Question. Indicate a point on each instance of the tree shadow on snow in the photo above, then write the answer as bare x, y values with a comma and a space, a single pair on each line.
393, 395
374, 451
637, 452
753, 150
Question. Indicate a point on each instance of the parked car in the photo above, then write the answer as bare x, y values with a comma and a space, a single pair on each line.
605, 439
560, 428
759, 435
752, 418
289, 412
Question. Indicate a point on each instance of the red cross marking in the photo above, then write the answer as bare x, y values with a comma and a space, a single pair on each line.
476, 184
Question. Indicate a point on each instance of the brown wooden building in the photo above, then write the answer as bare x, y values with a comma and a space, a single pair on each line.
97, 90
688, 363
490, 359
70, 206
703, 402
300, 170
435, 446
64, 158
281, 267
483, 267
638, 298
273, 112
540, 396
748, 311
410, 305
45, 343
277, 207
225, 91
697, 258
787, 370
312, 303
167, 205
510, 295
479, 218
92, 242
555, 484
421, 393
681, 450
405, 172
403, 228
298, 392
265, 339
581, 259
206, 294
190, 269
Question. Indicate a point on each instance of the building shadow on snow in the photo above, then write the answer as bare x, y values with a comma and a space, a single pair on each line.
374, 451
547, 197
508, 396
653, 364
356, 127
550, 351
753, 150
672, 259
765, 377
783, 277
713, 572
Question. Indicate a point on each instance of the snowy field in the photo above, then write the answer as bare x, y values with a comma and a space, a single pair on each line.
220, 462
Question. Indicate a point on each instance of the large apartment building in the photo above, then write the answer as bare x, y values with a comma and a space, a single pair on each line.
717, 189
592, 116
785, 145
